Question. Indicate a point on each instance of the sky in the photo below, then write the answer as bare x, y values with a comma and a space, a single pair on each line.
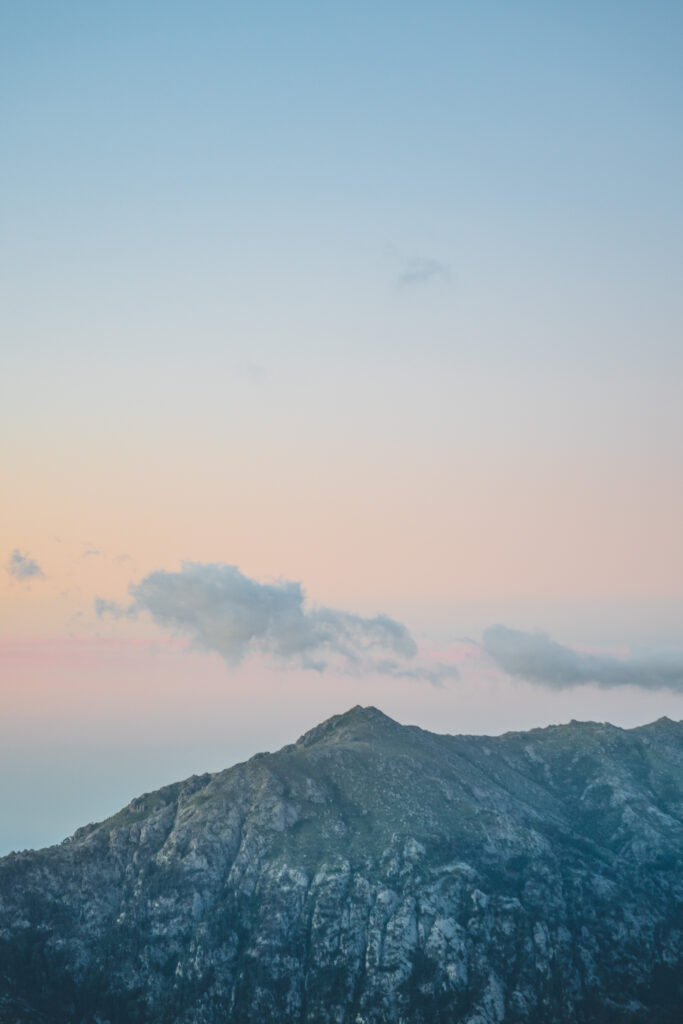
341, 361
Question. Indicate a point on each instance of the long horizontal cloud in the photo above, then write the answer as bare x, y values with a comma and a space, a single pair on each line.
22, 567
220, 609
538, 659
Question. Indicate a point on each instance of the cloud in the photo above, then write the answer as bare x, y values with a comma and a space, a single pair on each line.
252, 371
22, 567
436, 673
114, 609
418, 271
220, 609
538, 659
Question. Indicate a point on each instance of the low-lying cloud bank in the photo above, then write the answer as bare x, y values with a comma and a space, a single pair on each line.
21, 567
220, 609
538, 659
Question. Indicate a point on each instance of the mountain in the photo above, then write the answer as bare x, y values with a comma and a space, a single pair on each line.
371, 872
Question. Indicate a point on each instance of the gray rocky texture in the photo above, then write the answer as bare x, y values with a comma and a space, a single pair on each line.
369, 873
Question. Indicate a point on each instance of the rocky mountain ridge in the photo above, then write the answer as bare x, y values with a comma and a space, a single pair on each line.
371, 872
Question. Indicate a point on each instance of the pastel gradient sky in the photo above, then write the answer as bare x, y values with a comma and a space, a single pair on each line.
384, 299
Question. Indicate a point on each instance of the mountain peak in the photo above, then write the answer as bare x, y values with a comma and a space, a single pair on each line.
662, 726
358, 723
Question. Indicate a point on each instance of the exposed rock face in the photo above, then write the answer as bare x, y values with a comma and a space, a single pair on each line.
369, 873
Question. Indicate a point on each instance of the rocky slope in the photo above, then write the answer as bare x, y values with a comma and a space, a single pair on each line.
369, 873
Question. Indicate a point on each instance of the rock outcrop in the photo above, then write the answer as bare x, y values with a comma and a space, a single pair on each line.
369, 873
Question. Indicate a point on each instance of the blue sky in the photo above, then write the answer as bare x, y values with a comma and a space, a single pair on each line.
380, 299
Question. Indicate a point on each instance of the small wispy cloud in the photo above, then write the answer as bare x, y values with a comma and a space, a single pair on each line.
220, 609
538, 659
422, 270
22, 567
252, 371
114, 609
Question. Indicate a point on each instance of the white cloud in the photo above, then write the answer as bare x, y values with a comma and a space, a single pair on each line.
538, 659
220, 609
